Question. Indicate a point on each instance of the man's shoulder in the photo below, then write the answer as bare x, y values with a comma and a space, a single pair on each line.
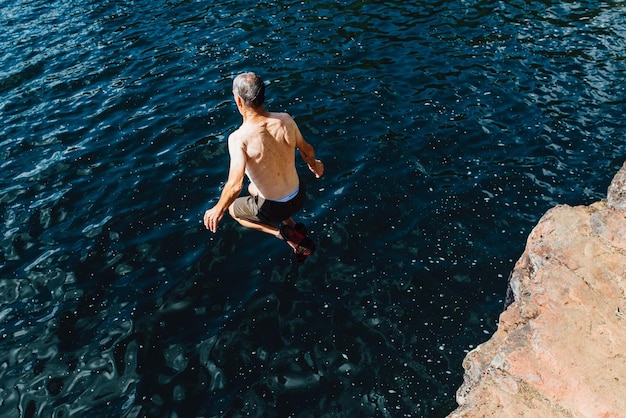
240, 132
283, 116
236, 138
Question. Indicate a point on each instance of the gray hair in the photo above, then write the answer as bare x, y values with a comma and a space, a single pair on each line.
250, 88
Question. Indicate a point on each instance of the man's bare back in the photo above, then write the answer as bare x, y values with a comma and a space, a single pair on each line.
269, 142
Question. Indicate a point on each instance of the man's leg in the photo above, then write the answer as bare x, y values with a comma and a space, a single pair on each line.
247, 207
268, 229
257, 226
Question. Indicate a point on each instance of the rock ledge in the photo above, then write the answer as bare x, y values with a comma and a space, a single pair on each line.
560, 347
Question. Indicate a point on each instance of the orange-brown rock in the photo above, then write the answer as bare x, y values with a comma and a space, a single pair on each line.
560, 346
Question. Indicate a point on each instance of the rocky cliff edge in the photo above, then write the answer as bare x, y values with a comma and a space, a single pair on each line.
560, 346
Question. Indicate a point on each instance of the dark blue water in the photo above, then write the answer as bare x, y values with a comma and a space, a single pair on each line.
447, 130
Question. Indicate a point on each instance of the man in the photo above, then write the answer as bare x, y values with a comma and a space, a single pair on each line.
263, 148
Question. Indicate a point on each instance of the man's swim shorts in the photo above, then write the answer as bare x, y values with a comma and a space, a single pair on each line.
257, 209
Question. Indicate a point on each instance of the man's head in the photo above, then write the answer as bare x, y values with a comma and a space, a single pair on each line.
250, 88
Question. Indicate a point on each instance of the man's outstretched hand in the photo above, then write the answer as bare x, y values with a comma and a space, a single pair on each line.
212, 218
317, 168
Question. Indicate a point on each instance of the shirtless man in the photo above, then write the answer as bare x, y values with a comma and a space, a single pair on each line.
263, 148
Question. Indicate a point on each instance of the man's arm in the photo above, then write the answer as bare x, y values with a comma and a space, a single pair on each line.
233, 185
308, 154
